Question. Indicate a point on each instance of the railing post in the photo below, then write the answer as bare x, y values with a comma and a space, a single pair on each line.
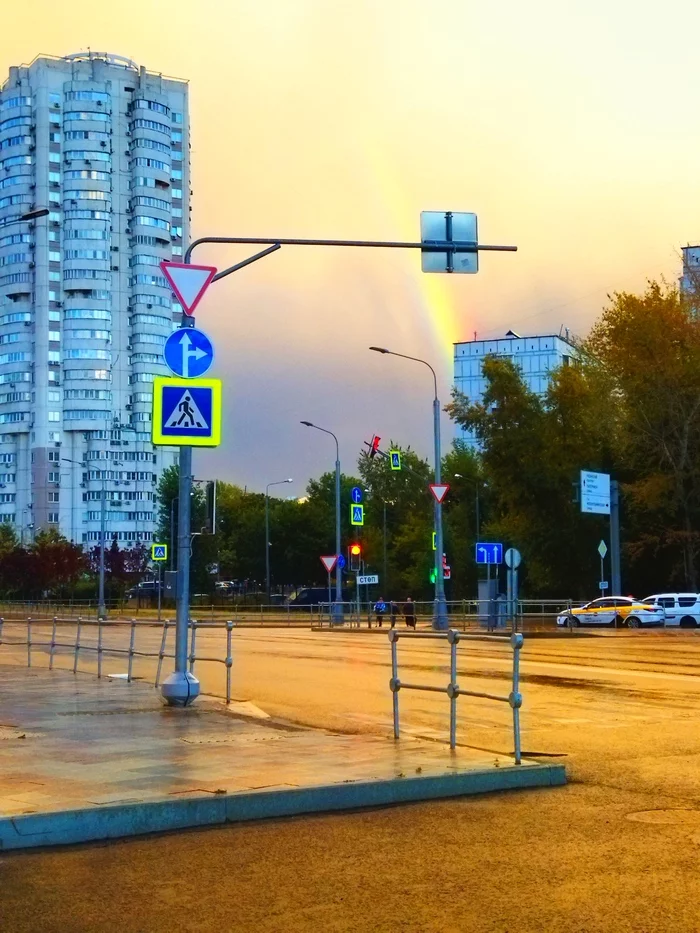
53, 644
515, 699
229, 660
193, 624
395, 683
29, 641
161, 653
99, 647
453, 689
132, 641
77, 647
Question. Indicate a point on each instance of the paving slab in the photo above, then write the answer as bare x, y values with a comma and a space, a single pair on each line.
84, 759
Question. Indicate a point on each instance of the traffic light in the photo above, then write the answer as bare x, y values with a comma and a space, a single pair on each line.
374, 446
210, 493
355, 552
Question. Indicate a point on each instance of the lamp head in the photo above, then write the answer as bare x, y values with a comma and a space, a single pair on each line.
290, 480
380, 350
32, 215
307, 423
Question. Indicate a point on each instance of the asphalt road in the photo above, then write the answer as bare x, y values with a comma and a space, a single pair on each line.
615, 850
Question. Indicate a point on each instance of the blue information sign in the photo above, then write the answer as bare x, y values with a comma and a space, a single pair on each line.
488, 553
356, 495
188, 353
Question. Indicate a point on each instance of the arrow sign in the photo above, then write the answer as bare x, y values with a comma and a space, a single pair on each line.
188, 282
188, 353
356, 495
439, 491
329, 562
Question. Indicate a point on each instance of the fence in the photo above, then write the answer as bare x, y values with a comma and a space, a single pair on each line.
453, 690
98, 647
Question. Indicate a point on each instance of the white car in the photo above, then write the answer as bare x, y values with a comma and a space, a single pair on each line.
682, 609
613, 610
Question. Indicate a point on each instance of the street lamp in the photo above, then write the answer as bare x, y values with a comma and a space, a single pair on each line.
440, 619
280, 482
23, 218
337, 611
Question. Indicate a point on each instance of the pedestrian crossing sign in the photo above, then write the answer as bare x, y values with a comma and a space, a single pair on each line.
357, 514
186, 412
159, 552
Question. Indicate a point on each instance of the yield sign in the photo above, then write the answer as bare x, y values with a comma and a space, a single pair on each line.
329, 562
188, 282
439, 491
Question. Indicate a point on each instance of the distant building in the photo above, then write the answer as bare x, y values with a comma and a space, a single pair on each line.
84, 309
536, 357
690, 279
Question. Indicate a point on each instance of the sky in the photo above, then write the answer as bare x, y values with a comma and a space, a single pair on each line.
569, 129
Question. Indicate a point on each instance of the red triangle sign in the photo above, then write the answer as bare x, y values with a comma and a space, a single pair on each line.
329, 562
439, 490
188, 282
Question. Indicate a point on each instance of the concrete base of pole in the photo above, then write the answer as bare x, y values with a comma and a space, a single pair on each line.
180, 689
441, 620
337, 615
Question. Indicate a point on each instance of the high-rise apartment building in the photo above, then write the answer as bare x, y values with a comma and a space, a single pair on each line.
691, 269
536, 357
84, 308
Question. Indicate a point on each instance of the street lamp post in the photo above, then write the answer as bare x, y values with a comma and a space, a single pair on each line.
440, 618
280, 482
24, 218
101, 608
337, 612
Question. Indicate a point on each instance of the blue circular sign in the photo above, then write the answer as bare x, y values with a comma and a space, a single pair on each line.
356, 495
341, 561
188, 353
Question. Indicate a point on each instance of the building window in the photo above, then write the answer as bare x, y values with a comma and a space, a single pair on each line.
54, 497
54, 356
13, 102
87, 174
141, 124
85, 274
24, 121
146, 201
150, 144
53, 518
15, 141
97, 115
88, 354
54, 395
150, 163
89, 334
54, 335
143, 104
90, 314
89, 155
145, 221
86, 254
95, 135
102, 96
143, 278
86, 195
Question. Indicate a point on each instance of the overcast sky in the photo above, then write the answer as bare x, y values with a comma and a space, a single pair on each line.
570, 129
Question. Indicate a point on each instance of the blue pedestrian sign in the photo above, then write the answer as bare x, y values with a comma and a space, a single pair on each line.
489, 553
356, 495
159, 552
357, 514
188, 353
187, 412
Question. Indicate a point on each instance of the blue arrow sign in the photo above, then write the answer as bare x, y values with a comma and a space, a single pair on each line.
356, 495
341, 561
188, 353
488, 553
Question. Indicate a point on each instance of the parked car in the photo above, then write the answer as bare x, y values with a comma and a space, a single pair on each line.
611, 610
682, 609
143, 590
314, 595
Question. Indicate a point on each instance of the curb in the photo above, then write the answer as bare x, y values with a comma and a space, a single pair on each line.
120, 821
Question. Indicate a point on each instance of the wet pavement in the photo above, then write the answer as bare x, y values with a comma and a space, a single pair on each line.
74, 743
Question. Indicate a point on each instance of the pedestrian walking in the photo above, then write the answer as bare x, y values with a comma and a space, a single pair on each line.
380, 611
409, 613
394, 609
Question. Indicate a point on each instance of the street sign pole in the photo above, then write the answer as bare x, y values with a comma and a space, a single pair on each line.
160, 586
440, 620
615, 574
337, 615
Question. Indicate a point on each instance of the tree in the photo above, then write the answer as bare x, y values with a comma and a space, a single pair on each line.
644, 353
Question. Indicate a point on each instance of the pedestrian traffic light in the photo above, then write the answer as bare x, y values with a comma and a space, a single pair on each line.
355, 552
374, 447
433, 575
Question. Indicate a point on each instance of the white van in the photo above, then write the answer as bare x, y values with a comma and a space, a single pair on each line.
682, 609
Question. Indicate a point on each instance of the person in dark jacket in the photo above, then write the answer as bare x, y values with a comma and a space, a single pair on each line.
394, 612
409, 613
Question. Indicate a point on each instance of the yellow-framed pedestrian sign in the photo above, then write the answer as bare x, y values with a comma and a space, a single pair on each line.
395, 459
357, 514
159, 552
186, 412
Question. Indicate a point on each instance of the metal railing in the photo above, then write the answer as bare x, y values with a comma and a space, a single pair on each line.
453, 690
78, 644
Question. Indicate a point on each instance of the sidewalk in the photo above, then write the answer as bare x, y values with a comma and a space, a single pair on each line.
84, 759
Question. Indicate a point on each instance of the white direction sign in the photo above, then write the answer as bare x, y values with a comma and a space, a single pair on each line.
188, 282
602, 549
595, 493
367, 579
329, 562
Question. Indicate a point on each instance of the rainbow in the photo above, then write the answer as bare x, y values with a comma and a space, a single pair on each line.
433, 294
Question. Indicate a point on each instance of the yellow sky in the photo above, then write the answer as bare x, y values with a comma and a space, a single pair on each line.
569, 128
